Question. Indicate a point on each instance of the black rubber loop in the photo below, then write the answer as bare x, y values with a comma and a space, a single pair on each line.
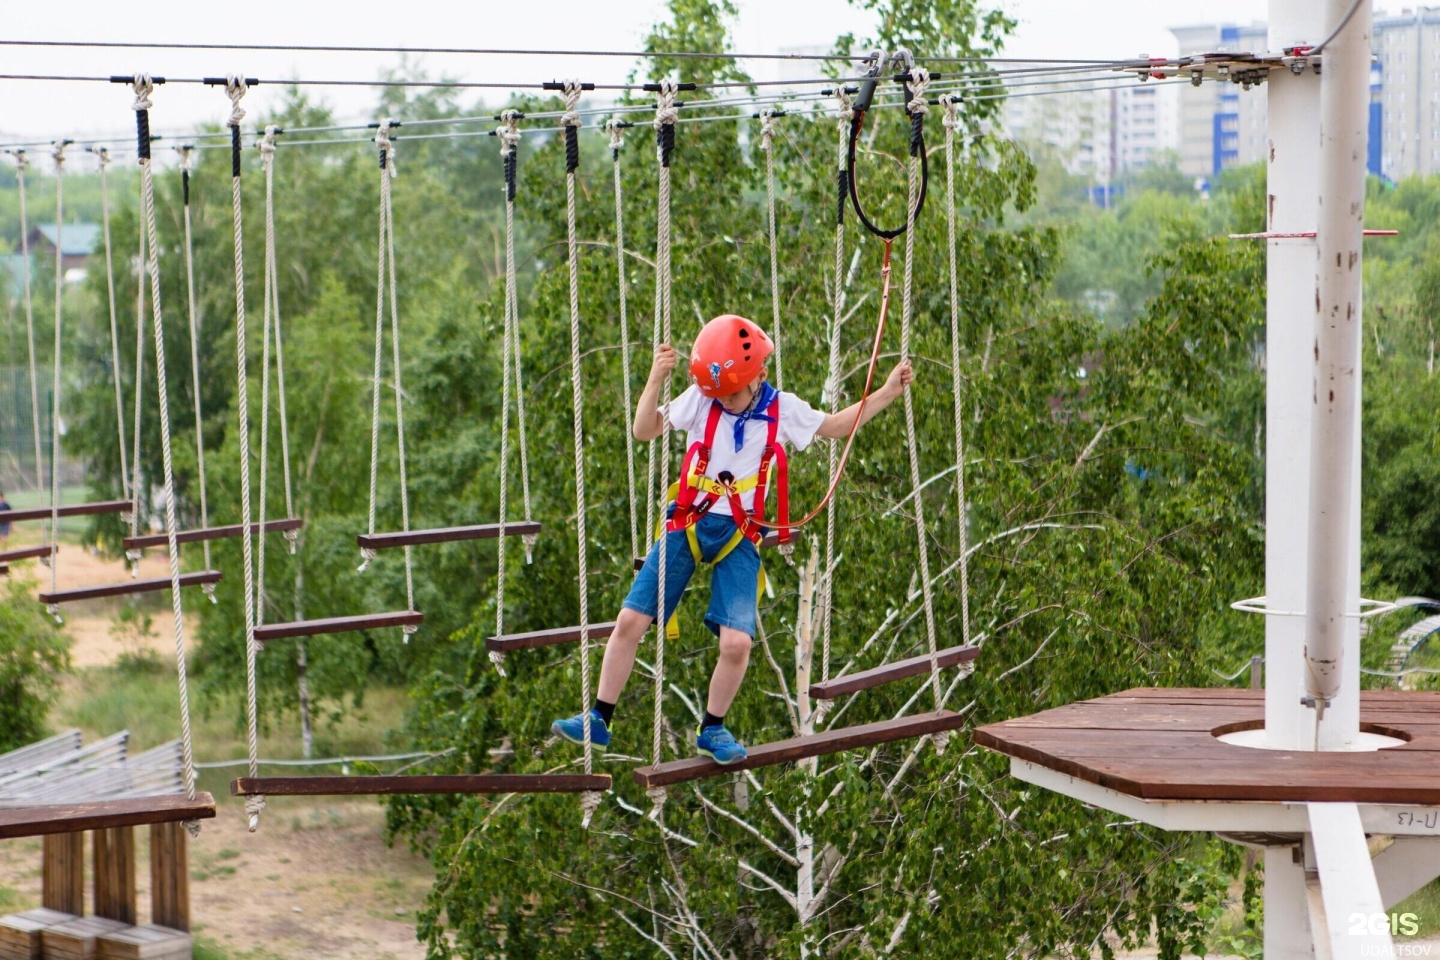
185, 181
235, 151
142, 133
844, 194
572, 149
510, 163
384, 157
665, 138
917, 149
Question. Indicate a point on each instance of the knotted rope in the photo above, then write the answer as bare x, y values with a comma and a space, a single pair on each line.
22, 162
952, 122
102, 157
57, 154
666, 113
844, 114
186, 156
143, 88
254, 805
570, 123
509, 135
616, 129
917, 107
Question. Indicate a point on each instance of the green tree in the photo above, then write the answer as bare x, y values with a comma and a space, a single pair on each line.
33, 656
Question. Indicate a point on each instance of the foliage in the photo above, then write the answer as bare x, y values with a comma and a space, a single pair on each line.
33, 654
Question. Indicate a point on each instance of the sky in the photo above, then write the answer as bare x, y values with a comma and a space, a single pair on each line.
1109, 29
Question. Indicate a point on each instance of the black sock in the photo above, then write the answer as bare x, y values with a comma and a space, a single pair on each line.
606, 710
712, 721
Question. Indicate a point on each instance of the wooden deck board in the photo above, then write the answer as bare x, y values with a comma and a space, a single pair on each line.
75, 817
311, 628
547, 638
800, 748
210, 533
890, 672
480, 531
67, 510
382, 785
1161, 745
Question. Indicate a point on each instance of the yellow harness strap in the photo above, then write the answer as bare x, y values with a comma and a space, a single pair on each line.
672, 625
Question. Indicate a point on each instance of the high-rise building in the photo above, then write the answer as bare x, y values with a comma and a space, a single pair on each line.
1405, 91
1221, 124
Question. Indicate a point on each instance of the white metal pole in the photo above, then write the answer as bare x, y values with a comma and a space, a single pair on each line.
1335, 422
1292, 178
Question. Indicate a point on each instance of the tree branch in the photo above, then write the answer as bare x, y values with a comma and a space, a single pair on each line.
774, 848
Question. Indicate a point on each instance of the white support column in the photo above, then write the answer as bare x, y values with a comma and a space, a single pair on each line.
1357, 924
1287, 927
1405, 866
1335, 423
1292, 177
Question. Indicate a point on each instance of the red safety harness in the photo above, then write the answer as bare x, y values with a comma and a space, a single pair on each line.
690, 506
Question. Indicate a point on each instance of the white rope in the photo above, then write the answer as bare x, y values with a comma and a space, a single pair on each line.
952, 122
143, 88
617, 140
571, 122
919, 80
769, 120
262, 502
186, 154
388, 206
832, 382
22, 161
58, 155
665, 115
254, 805
102, 156
509, 135
382, 141
136, 488
272, 272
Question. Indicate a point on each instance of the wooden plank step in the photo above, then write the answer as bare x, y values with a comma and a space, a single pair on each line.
24, 553
890, 672
74, 817
148, 942
800, 748
76, 940
68, 510
211, 533
547, 638
129, 587
483, 531
311, 628
384, 785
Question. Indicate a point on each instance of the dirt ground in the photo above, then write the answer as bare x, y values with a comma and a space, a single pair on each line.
316, 881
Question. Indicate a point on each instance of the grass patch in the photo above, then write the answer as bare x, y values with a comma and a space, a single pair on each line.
1425, 904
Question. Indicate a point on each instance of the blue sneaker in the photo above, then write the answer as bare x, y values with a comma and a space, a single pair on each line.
573, 728
719, 744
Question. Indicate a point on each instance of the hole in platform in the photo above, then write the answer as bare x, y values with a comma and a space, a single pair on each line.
1251, 733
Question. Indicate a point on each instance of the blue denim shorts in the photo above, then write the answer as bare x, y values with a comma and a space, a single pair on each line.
733, 582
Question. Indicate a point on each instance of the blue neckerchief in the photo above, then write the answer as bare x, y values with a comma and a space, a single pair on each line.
763, 399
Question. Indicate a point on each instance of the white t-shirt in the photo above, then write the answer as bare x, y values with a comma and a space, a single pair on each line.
688, 413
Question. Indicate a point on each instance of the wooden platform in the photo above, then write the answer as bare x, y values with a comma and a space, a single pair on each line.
72, 510
210, 533
127, 587
77, 940
890, 672
483, 531
547, 638
800, 748
1160, 744
74, 817
383, 785
147, 942
20, 932
312, 628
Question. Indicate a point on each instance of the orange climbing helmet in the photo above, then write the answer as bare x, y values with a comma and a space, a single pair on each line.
729, 352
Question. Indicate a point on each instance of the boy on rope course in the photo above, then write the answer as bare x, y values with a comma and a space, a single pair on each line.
736, 423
